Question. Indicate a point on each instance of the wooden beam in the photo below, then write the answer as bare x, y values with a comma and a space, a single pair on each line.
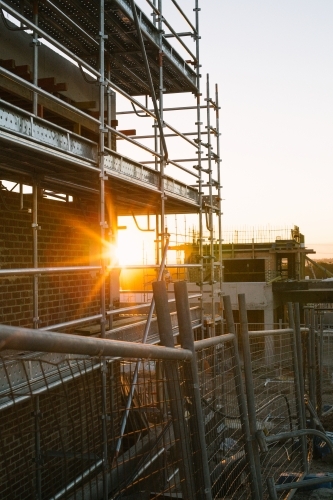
85, 104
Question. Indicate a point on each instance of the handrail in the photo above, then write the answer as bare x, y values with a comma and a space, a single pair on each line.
11, 76
29, 339
27, 271
212, 341
184, 16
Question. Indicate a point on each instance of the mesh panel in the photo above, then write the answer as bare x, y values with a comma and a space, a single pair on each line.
223, 422
51, 431
275, 401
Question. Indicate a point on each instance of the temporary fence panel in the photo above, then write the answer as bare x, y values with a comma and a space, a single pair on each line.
51, 437
223, 417
69, 430
275, 401
326, 338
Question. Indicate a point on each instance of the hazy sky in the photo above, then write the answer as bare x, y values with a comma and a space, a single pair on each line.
273, 62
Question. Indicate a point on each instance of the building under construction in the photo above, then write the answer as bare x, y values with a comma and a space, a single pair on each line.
103, 115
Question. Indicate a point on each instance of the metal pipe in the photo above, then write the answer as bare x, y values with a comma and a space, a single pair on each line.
219, 194
321, 353
74, 322
299, 396
273, 438
154, 266
298, 340
176, 35
151, 86
103, 243
162, 141
55, 270
199, 153
11, 76
28, 339
250, 397
199, 345
184, 15
46, 270
151, 136
175, 394
209, 223
132, 141
35, 228
179, 108
305, 484
263, 333
197, 420
172, 162
311, 386
35, 45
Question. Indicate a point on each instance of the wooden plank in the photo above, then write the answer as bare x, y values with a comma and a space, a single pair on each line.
7, 63
85, 104
23, 71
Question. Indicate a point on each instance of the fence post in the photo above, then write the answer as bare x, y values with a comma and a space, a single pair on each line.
196, 421
320, 367
241, 399
299, 396
311, 357
250, 393
175, 393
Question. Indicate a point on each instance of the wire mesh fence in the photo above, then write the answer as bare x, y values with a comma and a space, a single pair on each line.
56, 425
326, 349
223, 417
128, 424
274, 387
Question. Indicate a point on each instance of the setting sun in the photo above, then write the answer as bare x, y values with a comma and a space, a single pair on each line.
134, 246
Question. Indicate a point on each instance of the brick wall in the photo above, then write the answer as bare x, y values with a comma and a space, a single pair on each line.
68, 236
71, 438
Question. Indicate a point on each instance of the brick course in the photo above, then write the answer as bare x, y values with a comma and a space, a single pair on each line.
68, 236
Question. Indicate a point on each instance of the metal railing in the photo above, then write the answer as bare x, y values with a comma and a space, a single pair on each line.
202, 421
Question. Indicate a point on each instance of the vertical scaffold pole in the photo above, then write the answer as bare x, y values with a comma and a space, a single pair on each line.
219, 193
103, 245
35, 321
199, 164
35, 44
209, 209
162, 143
35, 228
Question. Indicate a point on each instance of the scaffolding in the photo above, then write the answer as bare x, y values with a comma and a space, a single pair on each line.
63, 139
81, 85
